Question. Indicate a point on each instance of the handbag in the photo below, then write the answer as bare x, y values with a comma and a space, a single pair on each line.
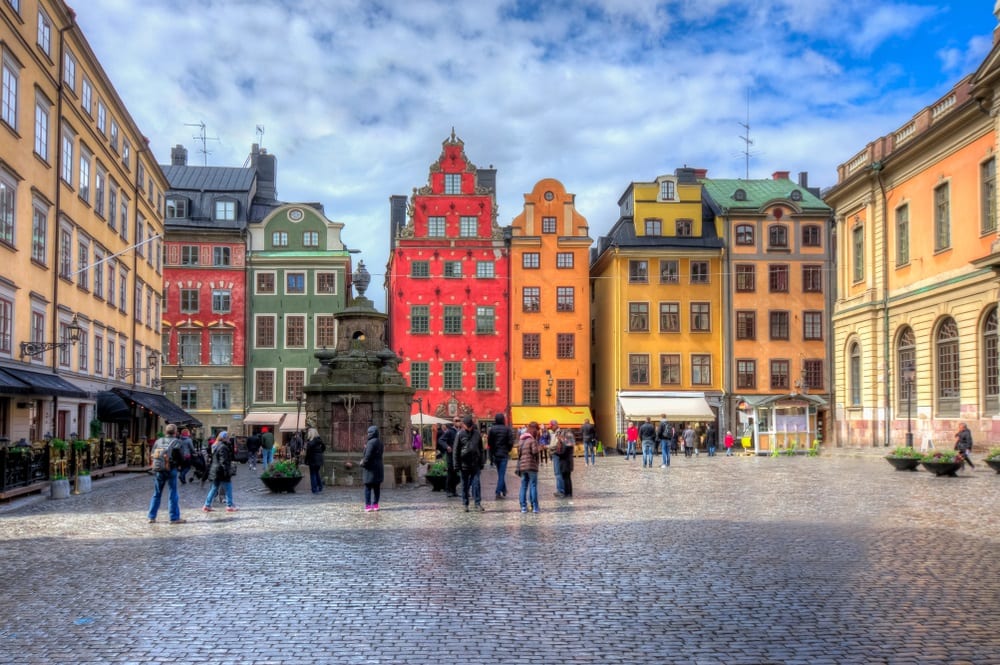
232, 469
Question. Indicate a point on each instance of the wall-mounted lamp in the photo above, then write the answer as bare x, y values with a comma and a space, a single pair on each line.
38, 348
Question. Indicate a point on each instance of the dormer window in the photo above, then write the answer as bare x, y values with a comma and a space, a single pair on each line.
177, 208
668, 190
225, 211
740, 195
796, 195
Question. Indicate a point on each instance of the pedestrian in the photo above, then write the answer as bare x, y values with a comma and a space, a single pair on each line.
549, 441
663, 434
446, 449
589, 434
500, 441
372, 471
469, 460
266, 447
220, 473
417, 441
631, 438
253, 450
728, 442
314, 459
563, 449
187, 451
963, 444
647, 433
165, 455
674, 438
711, 439
688, 437
295, 446
527, 467
544, 439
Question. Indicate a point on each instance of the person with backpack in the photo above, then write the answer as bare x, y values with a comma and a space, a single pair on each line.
663, 434
500, 440
266, 447
446, 450
563, 448
469, 460
253, 449
372, 469
187, 453
314, 458
167, 459
220, 473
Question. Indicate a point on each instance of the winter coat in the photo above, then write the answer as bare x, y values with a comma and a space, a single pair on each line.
500, 439
963, 440
446, 440
466, 439
589, 432
710, 437
527, 459
314, 452
222, 455
372, 471
647, 432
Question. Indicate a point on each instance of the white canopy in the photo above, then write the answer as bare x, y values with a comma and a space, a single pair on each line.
676, 406
417, 419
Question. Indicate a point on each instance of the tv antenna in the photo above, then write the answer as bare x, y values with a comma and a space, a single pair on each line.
201, 136
260, 135
747, 141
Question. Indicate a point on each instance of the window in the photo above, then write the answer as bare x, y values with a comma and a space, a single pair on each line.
670, 369
452, 183
670, 317
221, 301
38, 327
699, 272
485, 321
991, 365
113, 139
65, 252
701, 317
744, 234
176, 208
326, 331
858, 247
112, 205
295, 283
294, 380
812, 371
531, 391
98, 273
565, 345
279, 239
122, 290
906, 358
220, 395
777, 236
565, 392
812, 325
486, 376
419, 319
189, 255
777, 278
942, 217
189, 348
420, 269
565, 299
638, 317
653, 227
453, 319
780, 370
701, 370
264, 331
669, 272
668, 190
812, 278
69, 70
265, 283
812, 235
310, 239
531, 345
98, 355
746, 374
684, 228
221, 348
453, 269
548, 224
42, 129
39, 231
189, 396
638, 272
638, 369
564, 260
102, 122
902, 235
87, 96
221, 256
295, 332
468, 227
189, 301
435, 227
9, 91
127, 153
530, 260
67, 156
746, 325
99, 190
123, 211
746, 277
326, 283
420, 376
854, 385
263, 388
484, 270
948, 369
6, 325
112, 292
988, 196
44, 36
779, 324
452, 372
83, 351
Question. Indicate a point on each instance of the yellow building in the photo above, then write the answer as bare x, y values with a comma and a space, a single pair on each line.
81, 217
549, 344
915, 321
656, 317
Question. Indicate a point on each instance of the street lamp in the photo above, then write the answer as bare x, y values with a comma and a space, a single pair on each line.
909, 374
38, 348
158, 383
548, 381
298, 412
152, 359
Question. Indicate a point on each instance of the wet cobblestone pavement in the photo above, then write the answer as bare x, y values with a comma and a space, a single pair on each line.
715, 560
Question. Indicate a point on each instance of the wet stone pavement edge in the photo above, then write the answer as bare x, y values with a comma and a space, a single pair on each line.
837, 559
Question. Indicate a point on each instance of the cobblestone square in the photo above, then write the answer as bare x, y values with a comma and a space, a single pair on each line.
837, 559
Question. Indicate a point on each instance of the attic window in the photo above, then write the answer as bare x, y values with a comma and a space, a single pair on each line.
796, 195
740, 195
176, 208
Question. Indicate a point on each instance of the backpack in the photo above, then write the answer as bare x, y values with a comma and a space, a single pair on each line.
166, 455
470, 453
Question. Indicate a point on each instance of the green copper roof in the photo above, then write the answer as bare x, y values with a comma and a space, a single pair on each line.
759, 193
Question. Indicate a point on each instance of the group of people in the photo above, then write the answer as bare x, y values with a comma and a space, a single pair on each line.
670, 439
177, 454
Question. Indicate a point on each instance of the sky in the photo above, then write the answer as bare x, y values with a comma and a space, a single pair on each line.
355, 97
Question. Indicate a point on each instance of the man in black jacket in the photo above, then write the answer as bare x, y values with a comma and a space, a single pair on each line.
446, 449
500, 440
469, 460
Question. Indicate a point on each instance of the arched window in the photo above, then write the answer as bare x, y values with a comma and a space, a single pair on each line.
777, 236
947, 370
855, 379
991, 366
906, 358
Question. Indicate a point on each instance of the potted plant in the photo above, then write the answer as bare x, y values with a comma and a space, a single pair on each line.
904, 458
437, 475
83, 480
993, 459
281, 476
942, 462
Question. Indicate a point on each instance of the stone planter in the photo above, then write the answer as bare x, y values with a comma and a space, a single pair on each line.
59, 489
903, 463
943, 468
994, 464
84, 484
279, 484
437, 483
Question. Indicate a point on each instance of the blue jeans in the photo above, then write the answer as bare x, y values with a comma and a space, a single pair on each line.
630, 450
529, 489
267, 456
647, 453
227, 485
169, 478
470, 486
373, 492
711, 450
316, 478
557, 469
589, 452
501, 464
664, 452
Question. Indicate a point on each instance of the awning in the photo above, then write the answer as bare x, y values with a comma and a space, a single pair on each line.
567, 416
293, 424
677, 407
11, 386
45, 384
111, 408
263, 418
418, 419
789, 400
159, 405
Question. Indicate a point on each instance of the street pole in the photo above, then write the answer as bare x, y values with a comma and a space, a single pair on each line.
909, 373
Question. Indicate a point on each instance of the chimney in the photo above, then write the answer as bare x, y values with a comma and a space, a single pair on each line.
178, 155
686, 175
780, 175
701, 174
804, 179
266, 167
397, 217
487, 178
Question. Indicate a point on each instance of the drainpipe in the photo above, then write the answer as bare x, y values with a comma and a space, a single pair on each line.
887, 394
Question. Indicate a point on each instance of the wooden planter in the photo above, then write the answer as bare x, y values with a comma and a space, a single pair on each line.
903, 463
943, 468
279, 484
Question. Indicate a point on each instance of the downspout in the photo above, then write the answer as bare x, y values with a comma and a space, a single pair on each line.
887, 396
728, 399
617, 337
831, 298
248, 379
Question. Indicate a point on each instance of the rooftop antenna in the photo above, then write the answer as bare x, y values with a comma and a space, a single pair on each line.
201, 136
747, 141
260, 135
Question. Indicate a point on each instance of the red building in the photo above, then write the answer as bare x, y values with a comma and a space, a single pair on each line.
448, 290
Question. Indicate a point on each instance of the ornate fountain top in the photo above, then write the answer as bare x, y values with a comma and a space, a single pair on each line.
362, 278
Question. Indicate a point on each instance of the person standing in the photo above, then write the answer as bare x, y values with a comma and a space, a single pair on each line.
417, 442
527, 465
563, 449
187, 452
963, 444
647, 433
469, 461
295, 446
314, 458
446, 449
551, 445
589, 434
220, 473
372, 470
500, 441
688, 437
266, 447
663, 434
711, 439
631, 437
165, 473
253, 450
728, 442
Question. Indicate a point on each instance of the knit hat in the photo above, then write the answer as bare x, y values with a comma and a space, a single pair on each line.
372, 430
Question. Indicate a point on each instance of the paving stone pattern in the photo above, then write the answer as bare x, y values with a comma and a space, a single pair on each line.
836, 559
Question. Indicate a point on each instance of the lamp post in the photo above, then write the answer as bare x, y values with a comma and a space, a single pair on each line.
420, 405
298, 413
909, 374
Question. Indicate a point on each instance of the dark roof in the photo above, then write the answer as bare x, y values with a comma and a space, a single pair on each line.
209, 178
159, 405
45, 384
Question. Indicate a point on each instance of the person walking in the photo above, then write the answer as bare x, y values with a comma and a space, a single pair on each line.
220, 473
187, 452
631, 437
500, 441
527, 467
253, 450
446, 449
314, 459
728, 442
711, 439
663, 434
563, 450
469, 460
589, 434
417, 441
295, 446
266, 447
551, 446
963, 444
165, 456
647, 433
688, 438
372, 470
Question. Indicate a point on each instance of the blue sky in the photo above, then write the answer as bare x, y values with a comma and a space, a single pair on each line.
356, 96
